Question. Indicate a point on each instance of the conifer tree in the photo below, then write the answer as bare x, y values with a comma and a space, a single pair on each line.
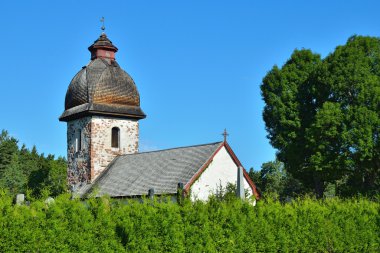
12, 177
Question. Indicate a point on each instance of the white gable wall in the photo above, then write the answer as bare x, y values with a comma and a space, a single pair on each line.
221, 171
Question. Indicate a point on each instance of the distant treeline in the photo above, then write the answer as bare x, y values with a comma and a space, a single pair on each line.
25, 171
109, 225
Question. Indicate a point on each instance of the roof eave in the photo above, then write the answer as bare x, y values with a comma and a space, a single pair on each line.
246, 175
128, 112
201, 170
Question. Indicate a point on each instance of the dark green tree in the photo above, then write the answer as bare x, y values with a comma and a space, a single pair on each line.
273, 180
256, 178
273, 177
288, 104
56, 179
30, 160
323, 116
350, 81
51, 176
23, 168
8, 148
12, 177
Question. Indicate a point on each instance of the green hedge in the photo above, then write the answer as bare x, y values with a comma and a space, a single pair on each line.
105, 225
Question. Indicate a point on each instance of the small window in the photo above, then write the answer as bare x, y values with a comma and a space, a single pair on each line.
78, 141
115, 141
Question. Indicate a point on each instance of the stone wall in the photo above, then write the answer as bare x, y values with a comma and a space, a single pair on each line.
87, 159
78, 158
101, 151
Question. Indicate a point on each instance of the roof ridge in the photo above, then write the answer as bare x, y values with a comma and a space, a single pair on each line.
191, 146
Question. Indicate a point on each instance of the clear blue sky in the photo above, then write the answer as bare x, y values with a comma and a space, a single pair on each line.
198, 65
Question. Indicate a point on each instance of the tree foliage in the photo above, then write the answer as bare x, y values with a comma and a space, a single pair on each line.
8, 147
22, 169
273, 180
12, 177
323, 116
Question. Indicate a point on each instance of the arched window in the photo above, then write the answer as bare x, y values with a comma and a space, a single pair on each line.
115, 140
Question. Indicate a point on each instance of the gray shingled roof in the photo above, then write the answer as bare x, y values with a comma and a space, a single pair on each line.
135, 174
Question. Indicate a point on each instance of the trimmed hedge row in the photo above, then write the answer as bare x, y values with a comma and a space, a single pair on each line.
106, 225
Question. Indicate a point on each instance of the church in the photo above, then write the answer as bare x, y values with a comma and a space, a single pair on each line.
102, 112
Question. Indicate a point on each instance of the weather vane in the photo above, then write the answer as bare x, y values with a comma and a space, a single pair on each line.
103, 27
225, 134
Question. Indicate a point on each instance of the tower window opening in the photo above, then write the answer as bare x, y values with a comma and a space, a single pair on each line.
115, 140
78, 141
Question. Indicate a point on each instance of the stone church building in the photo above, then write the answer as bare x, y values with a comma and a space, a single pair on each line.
102, 111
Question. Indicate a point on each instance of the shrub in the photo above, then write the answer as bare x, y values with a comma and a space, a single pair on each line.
109, 225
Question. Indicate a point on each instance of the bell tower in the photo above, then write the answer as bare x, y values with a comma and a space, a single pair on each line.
102, 111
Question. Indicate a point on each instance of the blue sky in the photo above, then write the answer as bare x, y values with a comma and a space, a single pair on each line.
198, 65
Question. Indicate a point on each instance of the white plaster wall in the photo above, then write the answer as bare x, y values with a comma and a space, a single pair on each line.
222, 170
101, 131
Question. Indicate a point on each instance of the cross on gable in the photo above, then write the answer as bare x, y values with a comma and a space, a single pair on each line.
225, 134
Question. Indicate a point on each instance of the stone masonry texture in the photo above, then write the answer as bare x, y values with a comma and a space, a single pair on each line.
86, 164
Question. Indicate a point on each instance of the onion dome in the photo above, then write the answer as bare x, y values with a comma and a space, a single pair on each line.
102, 87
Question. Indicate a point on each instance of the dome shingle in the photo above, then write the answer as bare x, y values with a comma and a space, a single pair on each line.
102, 87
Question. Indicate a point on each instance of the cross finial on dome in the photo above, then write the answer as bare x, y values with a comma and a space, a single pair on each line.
225, 134
103, 27
103, 47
